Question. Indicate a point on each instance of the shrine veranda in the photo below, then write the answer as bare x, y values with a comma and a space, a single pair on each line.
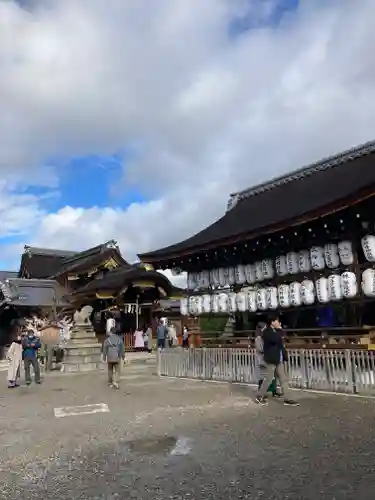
323, 257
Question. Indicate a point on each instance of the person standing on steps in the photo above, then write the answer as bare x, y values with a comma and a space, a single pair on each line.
113, 354
31, 344
275, 355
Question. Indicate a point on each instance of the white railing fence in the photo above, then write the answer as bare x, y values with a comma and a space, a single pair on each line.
347, 371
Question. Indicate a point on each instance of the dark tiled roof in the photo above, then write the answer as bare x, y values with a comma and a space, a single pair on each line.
283, 200
5, 275
41, 265
35, 293
92, 257
49, 263
115, 280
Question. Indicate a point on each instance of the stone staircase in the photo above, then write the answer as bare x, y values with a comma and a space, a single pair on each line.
83, 351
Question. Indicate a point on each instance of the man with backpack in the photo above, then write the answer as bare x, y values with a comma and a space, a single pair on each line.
113, 354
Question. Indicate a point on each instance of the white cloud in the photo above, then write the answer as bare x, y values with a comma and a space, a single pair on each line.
206, 113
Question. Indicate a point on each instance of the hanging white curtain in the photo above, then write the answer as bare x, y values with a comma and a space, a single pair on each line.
317, 258
304, 264
368, 246
242, 303
308, 292
252, 301
334, 287
322, 294
346, 252
267, 269
331, 255
259, 271
292, 262
349, 286
281, 266
284, 296
184, 310
261, 298
295, 294
250, 274
368, 282
272, 298
240, 274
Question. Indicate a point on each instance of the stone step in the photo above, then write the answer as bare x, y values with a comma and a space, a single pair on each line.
70, 367
83, 358
83, 351
84, 340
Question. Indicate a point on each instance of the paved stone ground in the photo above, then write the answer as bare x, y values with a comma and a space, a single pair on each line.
181, 439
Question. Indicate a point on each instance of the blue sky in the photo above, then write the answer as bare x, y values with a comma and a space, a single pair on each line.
97, 180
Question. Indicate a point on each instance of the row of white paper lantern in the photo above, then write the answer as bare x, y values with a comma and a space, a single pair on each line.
317, 258
334, 288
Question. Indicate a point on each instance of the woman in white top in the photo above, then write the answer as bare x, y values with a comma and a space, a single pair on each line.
139, 342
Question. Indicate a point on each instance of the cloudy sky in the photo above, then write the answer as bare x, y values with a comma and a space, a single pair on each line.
135, 119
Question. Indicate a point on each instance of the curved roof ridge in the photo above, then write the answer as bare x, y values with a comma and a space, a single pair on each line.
324, 164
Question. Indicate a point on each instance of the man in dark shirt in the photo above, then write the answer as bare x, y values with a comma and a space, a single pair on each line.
275, 355
31, 344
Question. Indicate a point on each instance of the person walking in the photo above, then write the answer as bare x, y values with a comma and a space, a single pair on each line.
113, 353
31, 344
260, 359
148, 338
161, 334
185, 338
275, 355
14, 357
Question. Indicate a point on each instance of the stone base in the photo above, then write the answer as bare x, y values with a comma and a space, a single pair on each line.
83, 351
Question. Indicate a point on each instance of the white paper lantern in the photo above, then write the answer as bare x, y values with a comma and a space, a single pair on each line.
214, 278
368, 282
292, 262
295, 294
334, 287
261, 299
308, 292
283, 295
280, 264
232, 302
272, 298
267, 269
199, 305
192, 281
205, 280
346, 254
321, 287
317, 258
242, 301
259, 271
252, 300
184, 309
215, 304
250, 273
240, 274
368, 246
331, 255
199, 281
231, 276
349, 286
207, 302
223, 276
193, 305
223, 303
304, 264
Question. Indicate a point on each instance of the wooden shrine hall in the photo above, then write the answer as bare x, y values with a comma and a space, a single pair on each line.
99, 277
302, 244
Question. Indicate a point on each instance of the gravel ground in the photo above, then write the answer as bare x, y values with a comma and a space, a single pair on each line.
175, 439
